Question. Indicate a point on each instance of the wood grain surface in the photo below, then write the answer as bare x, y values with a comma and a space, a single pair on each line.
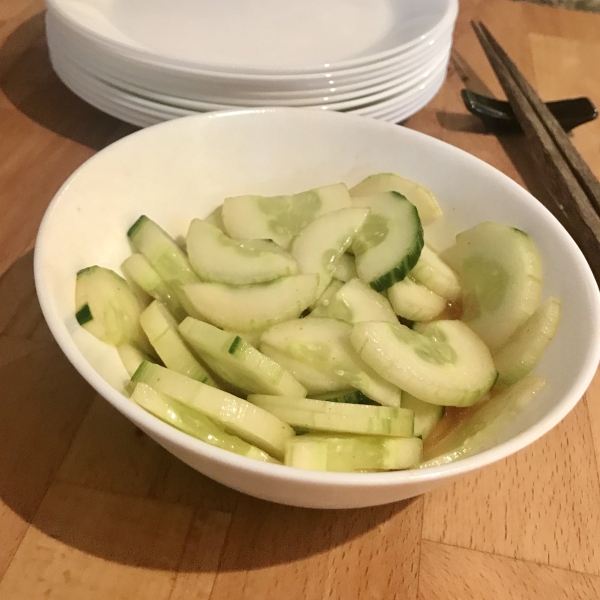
91, 508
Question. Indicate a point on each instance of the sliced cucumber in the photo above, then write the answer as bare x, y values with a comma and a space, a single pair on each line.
330, 290
108, 309
414, 301
131, 358
527, 345
320, 415
252, 337
216, 257
253, 424
444, 363
335, 409
161, 329
145, 276
193, 423
325, 345
216, 218
432, 272
250, 370
280, 218
352, 453
345, 269
315, 381
161, 251
501, 275
389, 242
246, 308
346, 396
427, 415
354, 302
421, 197
318, 247
483, 429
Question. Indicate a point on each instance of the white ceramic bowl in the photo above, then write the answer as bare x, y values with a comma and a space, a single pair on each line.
184, 168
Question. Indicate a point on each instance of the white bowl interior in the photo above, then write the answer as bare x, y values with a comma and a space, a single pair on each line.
184, 168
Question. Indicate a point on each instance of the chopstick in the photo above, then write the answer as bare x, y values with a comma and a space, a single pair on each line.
574, 188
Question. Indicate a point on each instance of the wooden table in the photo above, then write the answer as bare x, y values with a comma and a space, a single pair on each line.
90, 508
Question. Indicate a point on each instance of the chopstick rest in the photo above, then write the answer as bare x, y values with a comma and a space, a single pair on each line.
499, 117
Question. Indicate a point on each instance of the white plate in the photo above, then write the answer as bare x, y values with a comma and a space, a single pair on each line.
193, 83
400, 114
357, 99
129, 109
206, 94
142, 112
91, 88
406, 99
260, 36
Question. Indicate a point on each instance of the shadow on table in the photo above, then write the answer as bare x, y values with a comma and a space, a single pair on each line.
76, 475
30, 84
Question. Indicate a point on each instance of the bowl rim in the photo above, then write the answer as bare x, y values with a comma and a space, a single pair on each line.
155, 427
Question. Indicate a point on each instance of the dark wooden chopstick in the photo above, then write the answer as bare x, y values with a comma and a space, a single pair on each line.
574, 188
580, 168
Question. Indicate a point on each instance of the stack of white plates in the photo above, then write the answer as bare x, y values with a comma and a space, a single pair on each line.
146, 61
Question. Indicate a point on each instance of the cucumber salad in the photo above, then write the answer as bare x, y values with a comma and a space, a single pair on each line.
322, 331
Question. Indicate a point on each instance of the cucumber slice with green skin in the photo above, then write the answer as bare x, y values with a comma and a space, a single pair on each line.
336, 409
352, 453
527, 345
320, 415
345, 269
354, 302
161, 251
482, 429
107, 308
421, 197
318, 247
251, 370
131, 358
325, 345
161, 329
216, 257
389, 242
501, 275
443, 363
252, 337
432, 272
247, 308
280, 218
315, 381
229, 380
253, 424
427, 415
145, 276
193, 423
414, 301
348, 397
